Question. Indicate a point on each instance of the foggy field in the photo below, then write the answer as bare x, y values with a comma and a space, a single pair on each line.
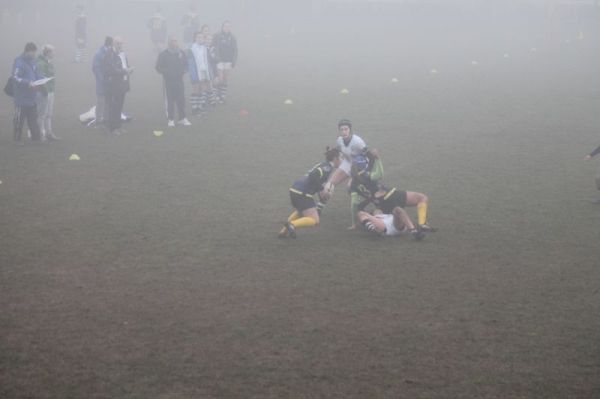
151, 268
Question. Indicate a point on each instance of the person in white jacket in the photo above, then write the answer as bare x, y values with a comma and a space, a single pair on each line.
199, 70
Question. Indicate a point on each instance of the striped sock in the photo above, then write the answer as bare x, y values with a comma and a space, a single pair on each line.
213, 97
80, 55
194, 102
203, 101
369, 226
222, 93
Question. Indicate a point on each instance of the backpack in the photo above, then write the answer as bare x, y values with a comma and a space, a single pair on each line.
9, 89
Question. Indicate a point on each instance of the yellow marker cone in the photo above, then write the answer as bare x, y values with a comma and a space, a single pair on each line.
74, 157
344, 91
394, 80
288, 102
158, 133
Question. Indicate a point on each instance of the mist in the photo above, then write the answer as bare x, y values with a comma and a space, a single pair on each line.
213, 253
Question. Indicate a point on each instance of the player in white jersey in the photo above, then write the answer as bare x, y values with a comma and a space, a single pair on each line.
390, 225
350, 145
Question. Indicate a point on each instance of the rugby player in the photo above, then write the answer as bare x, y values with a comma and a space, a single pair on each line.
306, 212
387, 200
350, 145
390, 224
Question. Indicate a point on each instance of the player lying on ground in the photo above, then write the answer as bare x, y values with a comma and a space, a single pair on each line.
588, 157
387, 200
302, 193
390, 225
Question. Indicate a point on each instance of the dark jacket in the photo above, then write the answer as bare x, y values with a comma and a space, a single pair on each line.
117, 77
24, 72
226, 47
172, 65
98, 70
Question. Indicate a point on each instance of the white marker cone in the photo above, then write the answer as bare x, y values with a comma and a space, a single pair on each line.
288, 102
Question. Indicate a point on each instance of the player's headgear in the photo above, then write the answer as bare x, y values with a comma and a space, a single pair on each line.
345, 122
360, 161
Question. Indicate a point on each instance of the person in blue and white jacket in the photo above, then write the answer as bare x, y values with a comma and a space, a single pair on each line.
24, 74
199, 70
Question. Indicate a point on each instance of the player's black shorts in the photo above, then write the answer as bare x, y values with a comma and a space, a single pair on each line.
302, 202
393, 200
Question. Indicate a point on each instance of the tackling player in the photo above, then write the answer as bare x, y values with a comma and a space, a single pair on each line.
306, 213
389, 201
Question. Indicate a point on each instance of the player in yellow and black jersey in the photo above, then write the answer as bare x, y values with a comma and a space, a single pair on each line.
386, 200
306, 212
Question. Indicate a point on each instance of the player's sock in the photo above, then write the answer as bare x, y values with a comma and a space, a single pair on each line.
193, 102
222, 92
294, 215
369, 226
213, 97
304, 222
422, 213
320, 207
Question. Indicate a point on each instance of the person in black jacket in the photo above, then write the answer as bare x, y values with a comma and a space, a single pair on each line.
117, 72
172, 65
226, 50
588, 157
